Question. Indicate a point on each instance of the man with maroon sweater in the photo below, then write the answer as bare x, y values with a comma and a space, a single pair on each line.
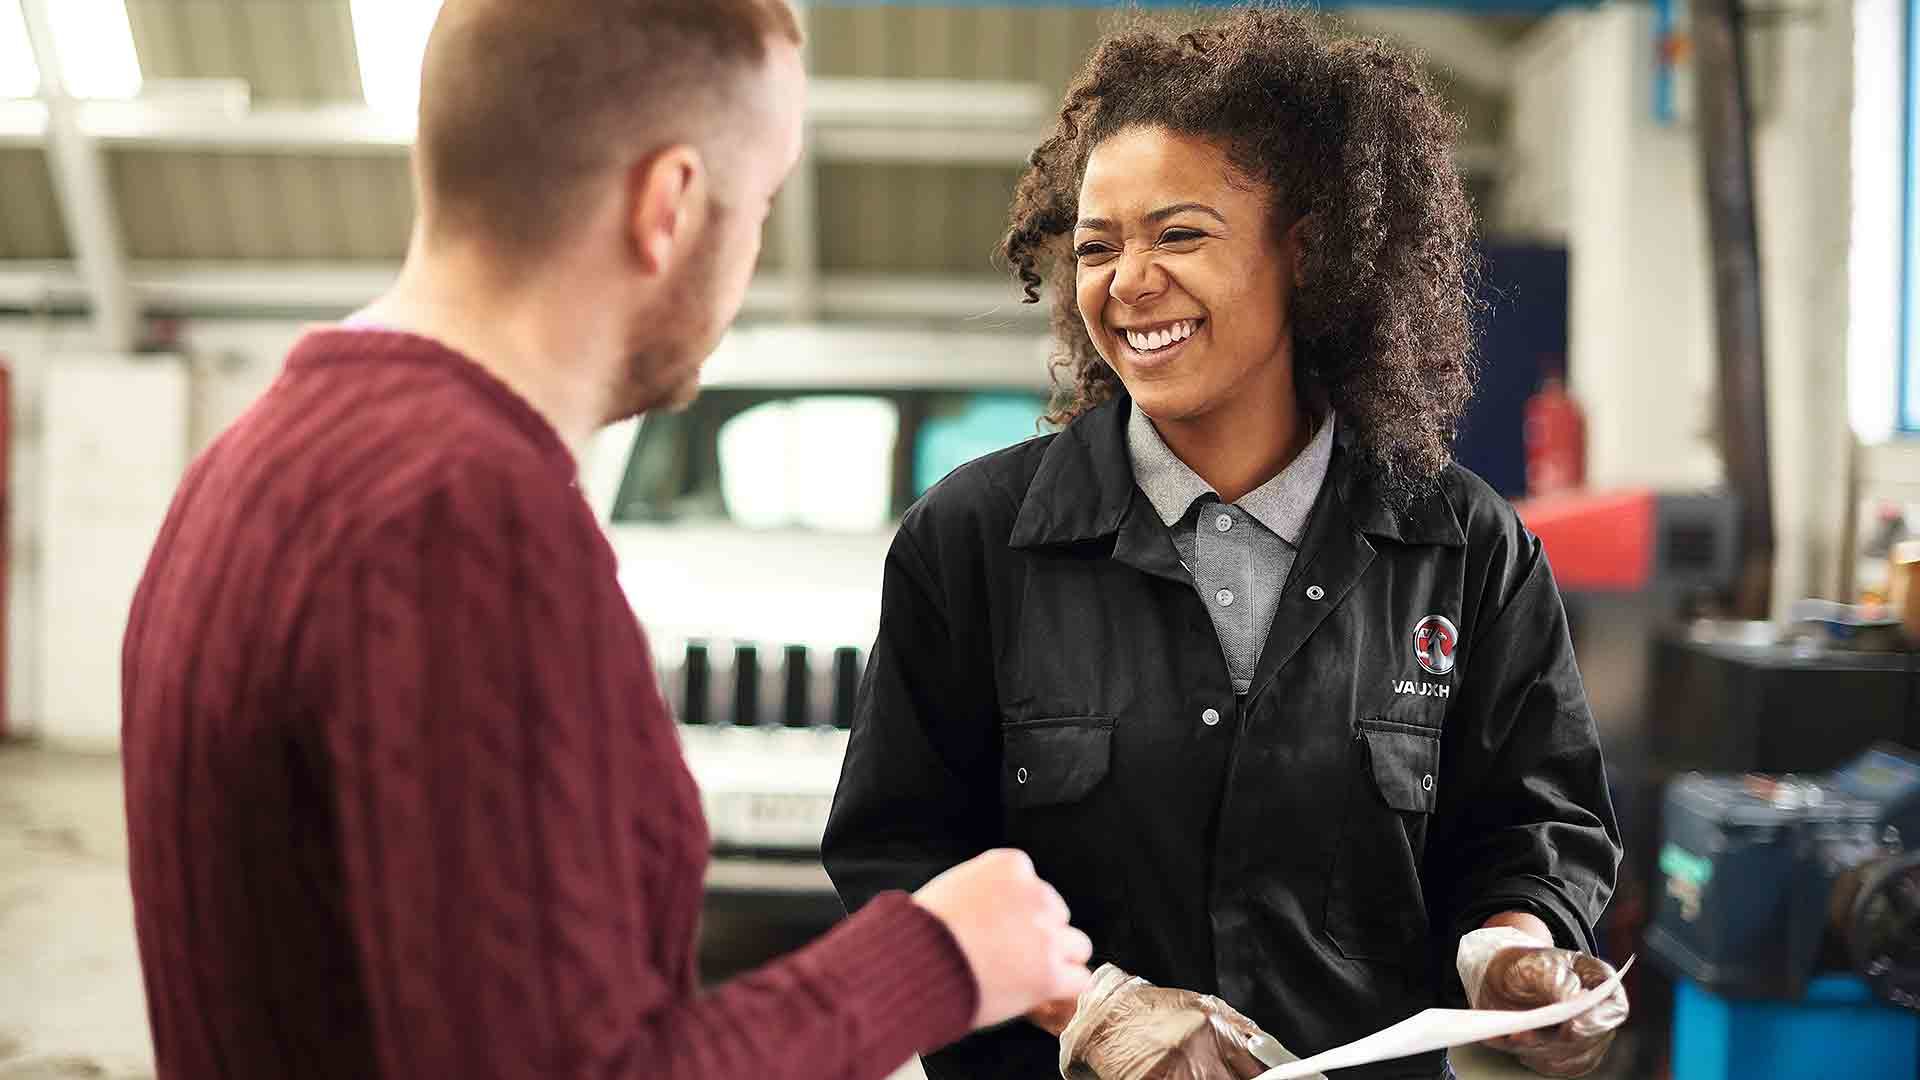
404, 799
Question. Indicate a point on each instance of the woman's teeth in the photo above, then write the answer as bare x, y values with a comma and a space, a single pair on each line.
1156, 340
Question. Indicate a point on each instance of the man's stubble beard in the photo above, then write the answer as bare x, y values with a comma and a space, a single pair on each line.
651, 385
672, 344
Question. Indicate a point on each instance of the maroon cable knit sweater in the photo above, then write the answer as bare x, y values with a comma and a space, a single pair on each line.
403, 796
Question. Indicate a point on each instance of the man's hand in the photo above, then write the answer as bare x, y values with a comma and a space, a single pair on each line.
1012, 928
1129, 1029
1505, 968
1054, 1016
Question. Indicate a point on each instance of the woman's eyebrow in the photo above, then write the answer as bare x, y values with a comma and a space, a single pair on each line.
1102, 224
1166, 212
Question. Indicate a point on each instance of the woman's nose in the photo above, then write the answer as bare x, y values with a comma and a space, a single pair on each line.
1137, 278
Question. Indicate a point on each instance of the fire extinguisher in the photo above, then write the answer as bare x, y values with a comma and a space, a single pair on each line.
1556, 436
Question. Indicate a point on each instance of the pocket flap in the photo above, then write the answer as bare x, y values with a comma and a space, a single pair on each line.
1054, 761
1406, 764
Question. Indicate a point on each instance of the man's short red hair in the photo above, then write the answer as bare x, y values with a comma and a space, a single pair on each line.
523, 102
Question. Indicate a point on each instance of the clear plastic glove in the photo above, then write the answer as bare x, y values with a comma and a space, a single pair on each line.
1504, 968
1129, 1029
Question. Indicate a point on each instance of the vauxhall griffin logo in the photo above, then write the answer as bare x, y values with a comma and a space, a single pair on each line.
1433, 643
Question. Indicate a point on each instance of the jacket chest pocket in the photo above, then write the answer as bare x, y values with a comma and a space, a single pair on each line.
1055, 793
1376, 908
1053, 762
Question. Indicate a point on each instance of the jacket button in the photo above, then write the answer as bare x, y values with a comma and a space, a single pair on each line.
1315, 592
1426, 782
1211, 717
1021, 776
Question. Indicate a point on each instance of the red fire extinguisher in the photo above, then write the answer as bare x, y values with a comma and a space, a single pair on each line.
1556, 435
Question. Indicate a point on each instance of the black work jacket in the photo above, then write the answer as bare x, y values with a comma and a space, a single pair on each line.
1046, 678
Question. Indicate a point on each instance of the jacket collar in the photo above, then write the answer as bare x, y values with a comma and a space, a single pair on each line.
1084, 491
1281, 504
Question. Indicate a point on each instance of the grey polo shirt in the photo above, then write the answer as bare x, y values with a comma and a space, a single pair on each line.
1238, 554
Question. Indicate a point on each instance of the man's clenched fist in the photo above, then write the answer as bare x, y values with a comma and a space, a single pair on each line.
1013, 929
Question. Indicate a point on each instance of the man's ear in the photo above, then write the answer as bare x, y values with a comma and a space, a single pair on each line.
667, 191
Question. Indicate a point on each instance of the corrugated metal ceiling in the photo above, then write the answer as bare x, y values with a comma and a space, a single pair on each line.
30, 224
194, 205
266, 208
286, 50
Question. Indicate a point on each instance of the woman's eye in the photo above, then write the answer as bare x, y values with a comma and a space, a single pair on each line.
1092, 251
1181, 236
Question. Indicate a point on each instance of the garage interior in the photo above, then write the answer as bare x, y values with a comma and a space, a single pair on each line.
1701, 233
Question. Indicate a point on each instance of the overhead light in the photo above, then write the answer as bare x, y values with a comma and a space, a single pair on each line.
95, 42
19, 75
391, 36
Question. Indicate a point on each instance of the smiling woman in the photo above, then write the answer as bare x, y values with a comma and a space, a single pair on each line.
1280, 698
1261, 158
1183, 286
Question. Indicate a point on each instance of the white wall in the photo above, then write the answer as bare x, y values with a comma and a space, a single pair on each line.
1892, 471
1591, 169
65, 622
1590, 166
115, 446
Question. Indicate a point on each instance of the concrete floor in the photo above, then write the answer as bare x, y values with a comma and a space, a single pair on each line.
71, 1003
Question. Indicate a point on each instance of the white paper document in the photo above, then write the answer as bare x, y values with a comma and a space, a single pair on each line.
1438, 1029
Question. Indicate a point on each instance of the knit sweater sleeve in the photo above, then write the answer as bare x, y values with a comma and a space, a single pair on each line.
515, 863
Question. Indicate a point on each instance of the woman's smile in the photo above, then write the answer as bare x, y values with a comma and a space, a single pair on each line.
1151, 345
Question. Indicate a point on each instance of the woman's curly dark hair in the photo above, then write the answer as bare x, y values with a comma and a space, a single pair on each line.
1344, 130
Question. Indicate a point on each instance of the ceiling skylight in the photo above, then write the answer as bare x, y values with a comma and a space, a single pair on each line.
391, 36
95, 43
19, 75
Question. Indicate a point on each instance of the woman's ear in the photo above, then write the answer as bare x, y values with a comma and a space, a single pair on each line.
1296, 246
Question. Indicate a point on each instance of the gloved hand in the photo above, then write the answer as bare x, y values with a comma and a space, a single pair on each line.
1505, 968
1129, 1029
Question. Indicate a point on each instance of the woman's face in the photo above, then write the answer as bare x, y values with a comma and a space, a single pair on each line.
1180, 277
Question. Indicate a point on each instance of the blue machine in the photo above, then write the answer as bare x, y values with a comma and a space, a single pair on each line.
1837, 1030
1790, 913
